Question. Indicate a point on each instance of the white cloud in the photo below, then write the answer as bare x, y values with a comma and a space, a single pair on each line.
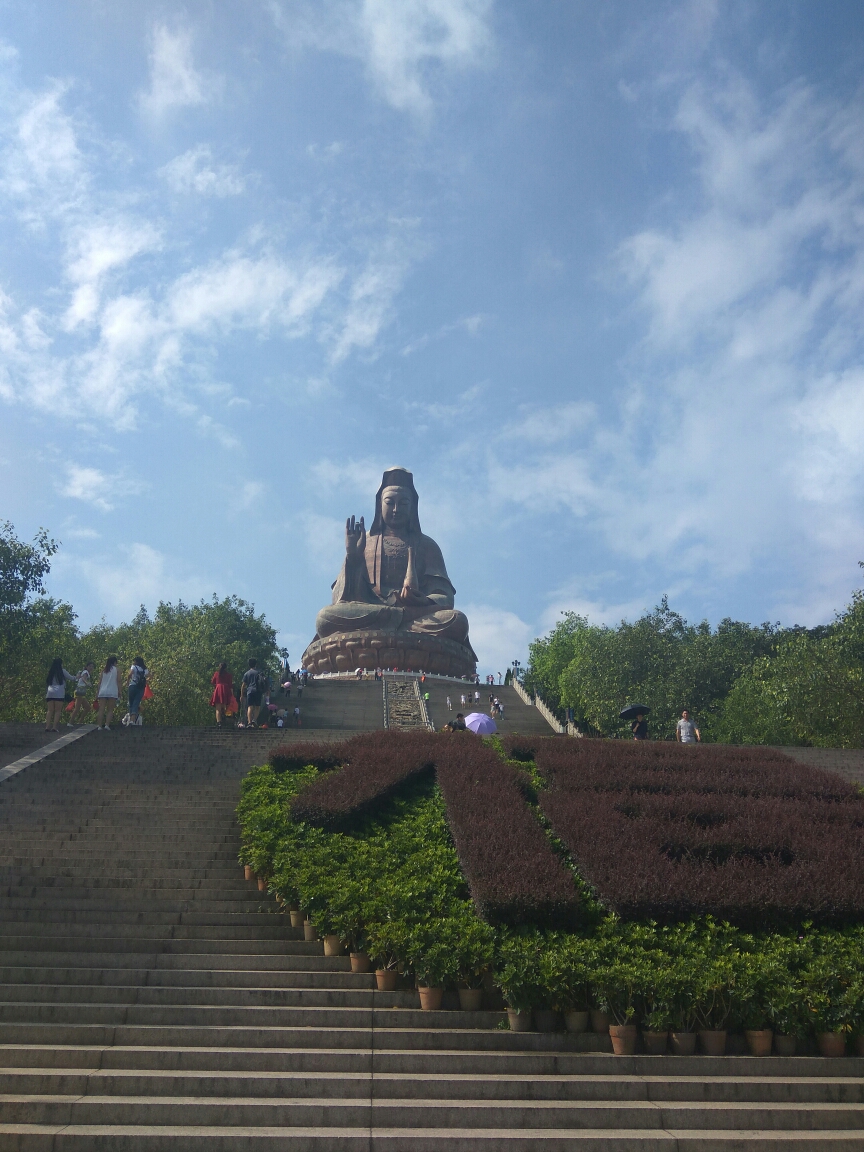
196, 171
550, 425
174, 80
403, 43
353, 477
497, 636
137, 574
98, 488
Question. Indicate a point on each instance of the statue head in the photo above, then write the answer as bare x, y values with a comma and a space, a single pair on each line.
396, 504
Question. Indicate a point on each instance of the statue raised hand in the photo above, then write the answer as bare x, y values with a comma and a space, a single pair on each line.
355, 541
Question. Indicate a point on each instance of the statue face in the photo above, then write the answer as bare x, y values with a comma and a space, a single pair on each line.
396, 508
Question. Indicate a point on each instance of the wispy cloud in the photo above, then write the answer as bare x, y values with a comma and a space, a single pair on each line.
404, 44
101, 489
197, 171
175, 82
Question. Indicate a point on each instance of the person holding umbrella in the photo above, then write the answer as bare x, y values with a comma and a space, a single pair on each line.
636, 713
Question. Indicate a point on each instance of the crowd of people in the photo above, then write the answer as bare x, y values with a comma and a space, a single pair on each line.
60, 699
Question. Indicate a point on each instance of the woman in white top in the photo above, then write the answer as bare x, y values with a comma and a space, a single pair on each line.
55, 694
108, 694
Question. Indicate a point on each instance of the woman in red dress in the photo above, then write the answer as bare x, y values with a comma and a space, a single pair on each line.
223, 692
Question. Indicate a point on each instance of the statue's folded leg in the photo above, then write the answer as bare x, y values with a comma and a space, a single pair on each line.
448, 623
355, 616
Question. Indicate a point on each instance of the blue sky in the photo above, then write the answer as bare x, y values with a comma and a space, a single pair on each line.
593, 271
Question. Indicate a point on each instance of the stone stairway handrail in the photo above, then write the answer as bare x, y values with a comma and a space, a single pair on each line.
543, 708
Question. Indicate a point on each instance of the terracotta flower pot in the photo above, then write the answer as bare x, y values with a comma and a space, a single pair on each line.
262, 884
784, 1045
683, 1043
386, 979
713, 1041
519, 1019
430, 998
831, 1043
248, 874
759, 1041
624, 1038
333, 945
310, 932
470, 999
655, 1043
545, 1020
576, 1021
360, 962
599, 1022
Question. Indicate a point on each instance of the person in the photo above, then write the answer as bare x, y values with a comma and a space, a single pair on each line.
686, 731
84, 681
459, 724
286, 687
223, 692
252, 691
107, 695
449, 704
55, 694
284, 664
462, 700
639, 728
136, 682
297, 721
300, 689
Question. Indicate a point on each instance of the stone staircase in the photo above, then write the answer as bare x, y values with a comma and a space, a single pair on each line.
153, 1000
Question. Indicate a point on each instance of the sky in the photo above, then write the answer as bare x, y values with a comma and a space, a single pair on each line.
593, 271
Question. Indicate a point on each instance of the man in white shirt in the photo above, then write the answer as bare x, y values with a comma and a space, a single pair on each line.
686, 731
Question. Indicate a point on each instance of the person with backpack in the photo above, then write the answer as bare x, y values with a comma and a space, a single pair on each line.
136, 682
83, 684
55, 694
254, 683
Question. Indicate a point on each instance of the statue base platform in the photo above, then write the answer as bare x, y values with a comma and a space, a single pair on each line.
404, 651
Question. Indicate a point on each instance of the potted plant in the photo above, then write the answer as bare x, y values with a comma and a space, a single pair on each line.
713, 1003
619, 986
565, 970
472, 950
831, 993
656, 1006
517, 974
386, 942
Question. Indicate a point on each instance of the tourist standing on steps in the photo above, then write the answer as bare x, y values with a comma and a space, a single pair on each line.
107, 695
136, 682
84, 681
223, 692
252, 690
55, 694
449, 704
297, 722
686, 731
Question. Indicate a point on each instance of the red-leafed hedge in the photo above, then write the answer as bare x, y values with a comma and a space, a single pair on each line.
374, 765
292, 757
668, 831
510, 867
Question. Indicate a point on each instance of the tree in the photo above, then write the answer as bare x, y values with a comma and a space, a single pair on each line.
33, 627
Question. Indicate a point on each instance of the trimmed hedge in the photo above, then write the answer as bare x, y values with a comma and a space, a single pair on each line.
668, 831
375, 765
512, 870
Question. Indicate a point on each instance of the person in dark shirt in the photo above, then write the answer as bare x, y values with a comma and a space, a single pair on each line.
639, 728
458, 725
253, 691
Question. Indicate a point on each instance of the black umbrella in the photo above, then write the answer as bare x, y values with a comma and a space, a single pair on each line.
634, 710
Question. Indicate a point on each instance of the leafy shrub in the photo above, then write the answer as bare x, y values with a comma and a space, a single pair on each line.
745, 834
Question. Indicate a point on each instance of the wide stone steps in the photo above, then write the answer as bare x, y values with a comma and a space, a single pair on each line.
151, 999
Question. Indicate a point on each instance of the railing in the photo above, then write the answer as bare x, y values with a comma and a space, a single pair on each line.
424, 710
541, 706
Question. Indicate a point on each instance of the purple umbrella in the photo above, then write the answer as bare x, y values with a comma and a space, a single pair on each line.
480, 723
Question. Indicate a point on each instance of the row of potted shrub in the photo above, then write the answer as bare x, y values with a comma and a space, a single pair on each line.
392, 890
